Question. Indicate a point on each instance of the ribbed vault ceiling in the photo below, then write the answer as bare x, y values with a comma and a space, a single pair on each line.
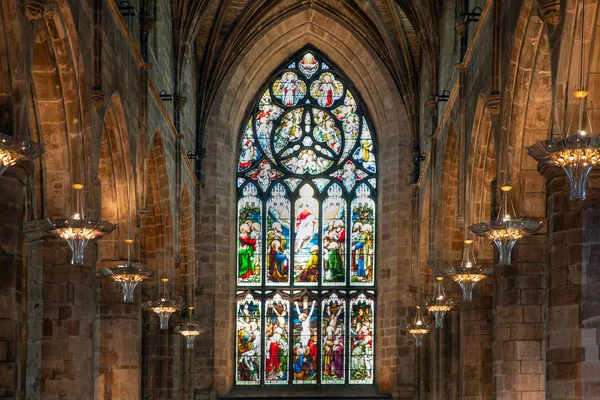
402, 33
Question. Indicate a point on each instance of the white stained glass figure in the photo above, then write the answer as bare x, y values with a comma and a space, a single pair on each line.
277, 327
362, 326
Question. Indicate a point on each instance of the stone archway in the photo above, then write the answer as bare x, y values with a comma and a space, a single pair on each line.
395, 353
157, 346
481, 172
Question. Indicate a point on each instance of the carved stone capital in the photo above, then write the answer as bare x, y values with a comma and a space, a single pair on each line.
431, 104
34, 9
551, 11
50, 9
147, 24
461, 26
493, 103
98, 98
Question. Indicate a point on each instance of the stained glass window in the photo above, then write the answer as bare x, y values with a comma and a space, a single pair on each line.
306, 219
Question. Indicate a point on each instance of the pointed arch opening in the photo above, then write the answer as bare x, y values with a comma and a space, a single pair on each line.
306, 210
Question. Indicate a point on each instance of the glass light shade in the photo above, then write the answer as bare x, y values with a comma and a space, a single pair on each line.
77, 231
418, 327
506, 229
467, 273
163, 307
575, 154
128, 275
439, 304
17, 149
189, 331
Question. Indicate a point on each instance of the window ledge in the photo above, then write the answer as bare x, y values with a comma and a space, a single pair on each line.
302, 392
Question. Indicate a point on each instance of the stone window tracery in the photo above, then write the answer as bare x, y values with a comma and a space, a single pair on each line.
306, 182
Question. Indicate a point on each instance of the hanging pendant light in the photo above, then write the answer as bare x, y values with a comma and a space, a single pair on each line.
575, 154
164, 306
507, 228
190, 330
467, 273
17, 149
418, 327
77, 229
128, 275
439, 304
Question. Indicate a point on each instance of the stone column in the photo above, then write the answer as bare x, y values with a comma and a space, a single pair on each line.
12, 207
573, 326
60, 319
118, 345
519, 346
476, 346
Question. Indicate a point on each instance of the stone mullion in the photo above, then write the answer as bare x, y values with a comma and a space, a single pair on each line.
11, 282
573, 306
119, 340
60, 316
518, 348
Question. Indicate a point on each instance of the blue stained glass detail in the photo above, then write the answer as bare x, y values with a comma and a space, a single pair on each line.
321, 183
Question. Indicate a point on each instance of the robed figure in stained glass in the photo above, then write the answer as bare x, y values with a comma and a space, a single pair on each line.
333, 342
248, 340
276, 346
278, 261
304, 348
306, 231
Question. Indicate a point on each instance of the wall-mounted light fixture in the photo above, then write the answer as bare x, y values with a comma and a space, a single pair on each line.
474, 15
444, 96
164, 96
421, 157
196, 156
126, 9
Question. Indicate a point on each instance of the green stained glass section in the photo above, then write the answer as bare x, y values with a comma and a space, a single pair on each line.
334, 238
249, 249
362, 250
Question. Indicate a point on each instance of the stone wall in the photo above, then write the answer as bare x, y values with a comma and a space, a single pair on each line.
86, 82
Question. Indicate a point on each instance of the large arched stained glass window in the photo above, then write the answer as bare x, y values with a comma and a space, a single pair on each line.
306, 181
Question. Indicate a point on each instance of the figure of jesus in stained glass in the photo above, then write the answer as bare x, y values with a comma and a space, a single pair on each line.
306, 231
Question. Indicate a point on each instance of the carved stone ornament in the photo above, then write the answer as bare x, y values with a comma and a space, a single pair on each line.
461, 26
551, 10
34, 9
180, 101
147, 24
98, 98
493, 103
